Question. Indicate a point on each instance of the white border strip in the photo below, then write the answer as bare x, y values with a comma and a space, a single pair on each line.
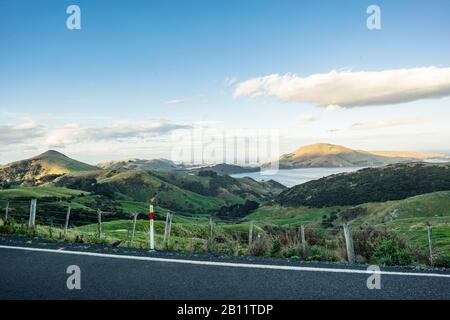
228, 264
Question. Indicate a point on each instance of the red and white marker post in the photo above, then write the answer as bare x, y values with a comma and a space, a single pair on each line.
152, 230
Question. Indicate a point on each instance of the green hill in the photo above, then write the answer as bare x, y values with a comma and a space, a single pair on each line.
393, 182
138, 164
224, 168
179, 191
324, 155
38, 193
41, 168
407, 218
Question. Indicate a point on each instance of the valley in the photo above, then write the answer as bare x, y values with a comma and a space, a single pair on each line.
388, 208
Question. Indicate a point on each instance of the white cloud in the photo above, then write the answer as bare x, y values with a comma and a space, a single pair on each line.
349, 89
229, 81
378, 124
74, 133
307, 118
332, 108
22, 133
174, 101
69, 134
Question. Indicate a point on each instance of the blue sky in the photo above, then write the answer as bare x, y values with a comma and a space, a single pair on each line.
178, 63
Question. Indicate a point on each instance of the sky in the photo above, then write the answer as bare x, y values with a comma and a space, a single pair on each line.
141, 79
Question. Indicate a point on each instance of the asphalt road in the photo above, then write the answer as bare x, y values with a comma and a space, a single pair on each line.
29, 274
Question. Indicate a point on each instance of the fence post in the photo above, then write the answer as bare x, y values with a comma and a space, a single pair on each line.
166, 227
210, 228
99, 219
134, 229
302, 235
250, 234
66, 225
430, 243
32, 219
349, 244
6, 211
169, 229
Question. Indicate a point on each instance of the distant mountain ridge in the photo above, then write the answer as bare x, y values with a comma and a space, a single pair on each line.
224, 168
37, 168
411, 155
128, 182
140, 164
321, 155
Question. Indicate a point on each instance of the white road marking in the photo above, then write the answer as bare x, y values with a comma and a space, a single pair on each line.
228, 264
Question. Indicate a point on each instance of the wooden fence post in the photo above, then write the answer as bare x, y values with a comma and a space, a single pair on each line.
134, 229
430, 243
250, 234
66, 225
6, 211
349, 244
32, 218
170, 226
169, 229
166, 227
302, 235
99, 219
210, 228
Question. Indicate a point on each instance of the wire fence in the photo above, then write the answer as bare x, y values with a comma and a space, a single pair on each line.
90, 223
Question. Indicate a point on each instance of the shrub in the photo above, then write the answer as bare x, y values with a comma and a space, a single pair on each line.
317, 253
442, 262
259, 247
276, 248
198, 247
366, 240
291, 252
389, 252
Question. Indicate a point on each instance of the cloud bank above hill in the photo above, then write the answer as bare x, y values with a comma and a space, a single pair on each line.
28, 133
349, 89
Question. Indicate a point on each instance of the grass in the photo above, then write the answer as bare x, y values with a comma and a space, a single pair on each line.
39, 192
284, 216
190, 232
409, 219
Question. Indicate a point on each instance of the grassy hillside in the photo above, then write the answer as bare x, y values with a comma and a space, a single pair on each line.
226, 188
392, 182
407, 218
400, 225
138, 164
194, 193
324, 155
39, 192
410, 218
228, 169
411, 155
41, 168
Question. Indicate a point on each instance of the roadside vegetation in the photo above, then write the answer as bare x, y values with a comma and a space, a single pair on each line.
390, 210
387, 233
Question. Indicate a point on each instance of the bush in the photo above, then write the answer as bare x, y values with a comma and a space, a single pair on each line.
259, 247
291, 252
276, 248
366, 240
442, 262
389, 252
